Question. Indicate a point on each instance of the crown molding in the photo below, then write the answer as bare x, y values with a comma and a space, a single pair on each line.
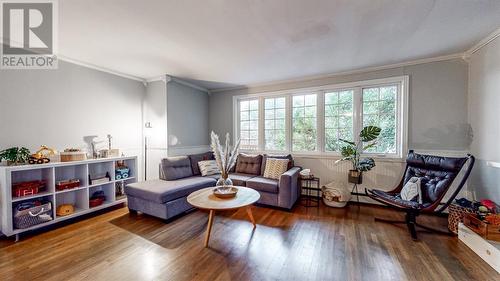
336, 74
99, 68
164, 78
484, 42
157, 78
194, 86
180, 81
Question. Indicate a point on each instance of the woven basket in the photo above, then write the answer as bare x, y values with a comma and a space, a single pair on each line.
33, 216
455, 215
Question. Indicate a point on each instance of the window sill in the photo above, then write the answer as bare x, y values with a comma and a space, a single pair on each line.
329, 156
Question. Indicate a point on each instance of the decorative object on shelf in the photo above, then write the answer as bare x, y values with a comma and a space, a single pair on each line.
97, 198
32, 213
104, 153
312, 189
306, 174
15, 155
28, 188
335, 194
112, 152
225, 160
73, 154
231, 193
122, 171
67, 184
65, 210
100, 179
352, 152
119, 189
42, 155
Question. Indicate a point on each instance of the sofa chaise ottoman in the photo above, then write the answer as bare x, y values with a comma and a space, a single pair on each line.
167, 197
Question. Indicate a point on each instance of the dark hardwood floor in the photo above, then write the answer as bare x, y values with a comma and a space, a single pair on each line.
306, 244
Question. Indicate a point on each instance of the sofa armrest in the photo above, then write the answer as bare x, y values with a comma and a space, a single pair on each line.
289, 188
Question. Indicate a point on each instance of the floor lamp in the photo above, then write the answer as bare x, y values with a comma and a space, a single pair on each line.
147, 133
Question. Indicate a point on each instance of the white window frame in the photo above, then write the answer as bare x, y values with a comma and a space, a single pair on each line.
401, 117
260, 116
263, 148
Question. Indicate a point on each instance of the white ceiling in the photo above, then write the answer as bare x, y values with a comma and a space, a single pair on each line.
241, 42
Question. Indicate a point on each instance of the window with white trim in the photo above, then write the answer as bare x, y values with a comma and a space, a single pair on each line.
339, 112
304, 121
379, 109
249, 124
312, 120
274, 124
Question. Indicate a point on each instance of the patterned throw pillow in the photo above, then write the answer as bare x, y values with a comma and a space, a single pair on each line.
208, 167
412, 190
275, 168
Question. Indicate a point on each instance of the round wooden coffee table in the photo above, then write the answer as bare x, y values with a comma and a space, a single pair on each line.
206, 200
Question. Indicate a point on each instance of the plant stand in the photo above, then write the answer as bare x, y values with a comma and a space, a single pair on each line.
355, 192
310, 185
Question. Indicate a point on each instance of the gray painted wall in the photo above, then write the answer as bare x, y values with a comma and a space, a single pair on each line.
59, 107
438, 102
484, 105
187, 116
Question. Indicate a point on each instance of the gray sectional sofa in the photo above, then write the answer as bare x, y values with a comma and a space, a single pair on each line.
179, 176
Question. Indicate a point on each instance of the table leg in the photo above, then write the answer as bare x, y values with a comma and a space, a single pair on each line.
209, 227
249, 212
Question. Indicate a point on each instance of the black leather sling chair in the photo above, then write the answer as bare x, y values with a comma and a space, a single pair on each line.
436, 174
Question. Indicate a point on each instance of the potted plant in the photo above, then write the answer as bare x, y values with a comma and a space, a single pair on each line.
352, 152
15, 155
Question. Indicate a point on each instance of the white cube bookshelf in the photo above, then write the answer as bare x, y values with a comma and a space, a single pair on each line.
51, 173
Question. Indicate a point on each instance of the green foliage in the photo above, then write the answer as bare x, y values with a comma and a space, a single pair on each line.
352, 150
15, 155
304, 134
369, 133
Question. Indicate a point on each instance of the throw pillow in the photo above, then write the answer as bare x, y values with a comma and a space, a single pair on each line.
275, 168
411, 190
265, 156
195, 158
208, 167
173, 168
248, 164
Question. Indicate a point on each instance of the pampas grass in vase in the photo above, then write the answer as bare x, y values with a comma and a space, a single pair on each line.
225, 159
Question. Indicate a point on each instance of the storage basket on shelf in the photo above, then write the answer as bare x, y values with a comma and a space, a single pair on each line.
456, 215
32, 216
68, 156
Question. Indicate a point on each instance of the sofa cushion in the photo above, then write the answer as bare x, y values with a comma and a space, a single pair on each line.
173, 168
240, 178
208, 167
195, 158
161, 191
275, 168
263, 184
249, 164
265, 156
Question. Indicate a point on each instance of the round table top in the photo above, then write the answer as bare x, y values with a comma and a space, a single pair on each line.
205, 199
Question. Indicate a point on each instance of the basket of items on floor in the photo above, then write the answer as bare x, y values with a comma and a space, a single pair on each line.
481, 217
335, 194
